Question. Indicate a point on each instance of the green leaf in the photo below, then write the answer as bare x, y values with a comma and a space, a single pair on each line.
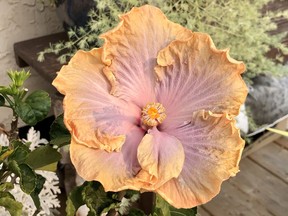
6, 186
58, 129
50, 167
61, 141
75, 200
3, 149
93, 195
6, 194
35, 107
2, 100
136, 212
110, 207
27, 176
13, 166
16, 143
131, 193
40, 180
7, 90
20, 153
96, 199
43, 156
12, 206
163, 208
26, 113
183, 212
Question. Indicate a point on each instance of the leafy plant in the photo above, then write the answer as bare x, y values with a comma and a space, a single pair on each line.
241, 25
162, 208
92, 195
16, 159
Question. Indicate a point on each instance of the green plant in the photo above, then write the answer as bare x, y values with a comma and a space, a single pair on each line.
17, 160
231, 23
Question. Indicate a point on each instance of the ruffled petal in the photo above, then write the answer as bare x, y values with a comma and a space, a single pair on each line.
130, 52
115, 170
161, 158
94, 117
194, 75
213, 148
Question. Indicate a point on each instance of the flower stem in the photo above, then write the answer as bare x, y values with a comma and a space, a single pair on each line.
146, 202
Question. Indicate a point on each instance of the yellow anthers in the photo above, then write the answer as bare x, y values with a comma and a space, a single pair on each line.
153, 114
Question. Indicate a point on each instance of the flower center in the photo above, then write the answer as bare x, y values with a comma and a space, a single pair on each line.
153, 114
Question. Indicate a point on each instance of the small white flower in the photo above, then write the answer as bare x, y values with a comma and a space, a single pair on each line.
4, 140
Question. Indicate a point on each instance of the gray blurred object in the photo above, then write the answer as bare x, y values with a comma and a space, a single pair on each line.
268, 98
74, 12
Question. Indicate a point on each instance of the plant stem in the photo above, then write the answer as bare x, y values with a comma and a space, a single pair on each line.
36, 212
146, 202
14, 127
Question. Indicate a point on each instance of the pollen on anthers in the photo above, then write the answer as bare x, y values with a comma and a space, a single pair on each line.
153, 114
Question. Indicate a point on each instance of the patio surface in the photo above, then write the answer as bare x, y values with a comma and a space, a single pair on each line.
259, 189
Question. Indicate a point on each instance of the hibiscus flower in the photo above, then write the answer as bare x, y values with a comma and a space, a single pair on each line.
153, 110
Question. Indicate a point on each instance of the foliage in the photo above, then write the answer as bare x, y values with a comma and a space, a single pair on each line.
241, 26
163, 208
12, 206
60, 136
16, 159
92, 195
30, 109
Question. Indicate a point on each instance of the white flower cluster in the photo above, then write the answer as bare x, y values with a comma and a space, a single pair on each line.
48, 195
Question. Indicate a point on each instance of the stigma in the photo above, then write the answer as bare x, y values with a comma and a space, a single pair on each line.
153, 114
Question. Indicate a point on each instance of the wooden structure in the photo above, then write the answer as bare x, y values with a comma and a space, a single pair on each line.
266, 138
26, 53
261, 187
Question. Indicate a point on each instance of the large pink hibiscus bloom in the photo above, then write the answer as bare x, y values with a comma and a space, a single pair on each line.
153, 110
